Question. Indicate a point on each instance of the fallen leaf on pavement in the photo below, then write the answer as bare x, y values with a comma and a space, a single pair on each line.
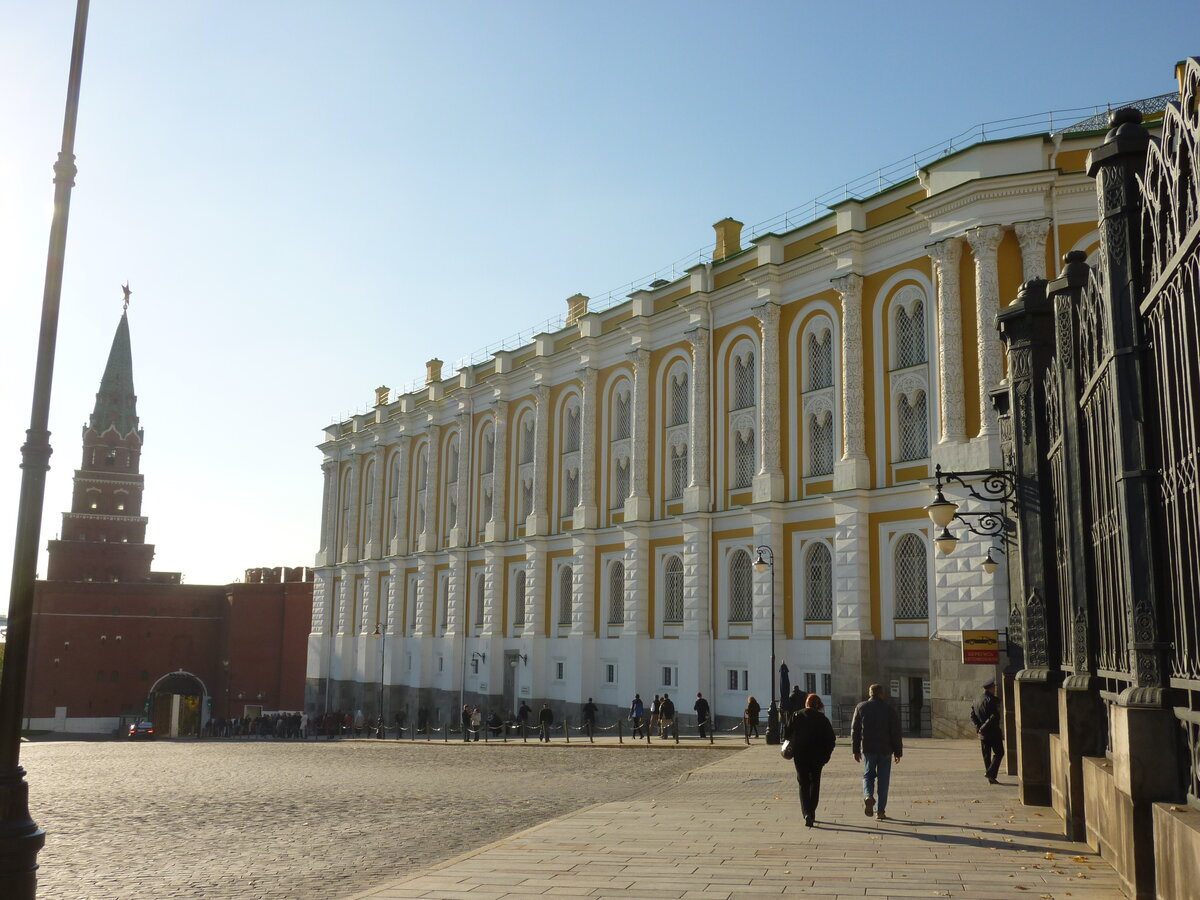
1049, 856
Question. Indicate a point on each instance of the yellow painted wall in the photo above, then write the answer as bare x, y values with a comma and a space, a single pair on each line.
806, 245
970, 341
894, 209
732, 275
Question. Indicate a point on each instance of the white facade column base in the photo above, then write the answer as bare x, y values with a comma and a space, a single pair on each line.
851, 473
696, 498
637, 508
537, 524
585, 516
768, 487
494, 531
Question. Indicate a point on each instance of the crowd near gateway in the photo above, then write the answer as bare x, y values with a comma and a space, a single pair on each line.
578, 517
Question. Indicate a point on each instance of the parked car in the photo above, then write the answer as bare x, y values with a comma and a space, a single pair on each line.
141, 731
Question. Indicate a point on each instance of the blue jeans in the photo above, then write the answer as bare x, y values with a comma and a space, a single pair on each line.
877, 766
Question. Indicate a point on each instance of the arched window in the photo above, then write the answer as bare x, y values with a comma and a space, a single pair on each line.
621, 483
820, 443
570, 491
519, 599
571, 427
488, 462
452, 484
744, 385
566, 589
527, 440
393, 523
741, 588
616, 594
673, 589
912, 425
818, 583
680, 402
421, 485
910, 333
570, 460
445, 603
479, 601
368, 503
622, 415
911, 578
820, 360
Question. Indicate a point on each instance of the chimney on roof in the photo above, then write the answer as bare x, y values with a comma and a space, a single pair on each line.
576, 307
381, 394
433, 371
729, 238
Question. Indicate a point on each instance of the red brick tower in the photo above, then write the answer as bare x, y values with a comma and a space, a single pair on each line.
103, 536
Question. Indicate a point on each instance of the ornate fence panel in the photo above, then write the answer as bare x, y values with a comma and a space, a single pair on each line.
1170, 193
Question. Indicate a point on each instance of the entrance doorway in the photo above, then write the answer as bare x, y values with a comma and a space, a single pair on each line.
175, 704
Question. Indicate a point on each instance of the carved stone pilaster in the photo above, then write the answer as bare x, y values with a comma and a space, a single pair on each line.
586, 513
493, 593
984, 241
1032, 238
345, 602
768, 483
696, 495
946, 256
349, 511
637, 581
583, 587
696, 575
495, 530
325, 556
398, 523
538, 520
375, 492
852, 470
428, 538
425, 619
537, 589
460, 529
322, 598
637, 505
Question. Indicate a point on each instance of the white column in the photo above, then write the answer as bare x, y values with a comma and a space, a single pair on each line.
429, 538
538, 520
372, 545
537, 588
853, 469
852, 571
583, 584
697, 568
398, 537
426, 621
768, 483
946, 256
496, 530
984, 241
637, 504
458, 594
493, 593
696, 495
637, 582
1032, 238
460, 535
586, 513
327, 553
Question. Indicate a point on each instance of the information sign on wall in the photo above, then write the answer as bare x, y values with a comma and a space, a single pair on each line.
981, 648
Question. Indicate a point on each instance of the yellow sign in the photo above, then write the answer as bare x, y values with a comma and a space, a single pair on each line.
981, 648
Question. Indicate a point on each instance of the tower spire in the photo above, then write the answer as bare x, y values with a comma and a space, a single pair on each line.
116, 403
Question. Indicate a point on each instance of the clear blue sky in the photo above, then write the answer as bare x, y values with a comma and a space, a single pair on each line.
311, 199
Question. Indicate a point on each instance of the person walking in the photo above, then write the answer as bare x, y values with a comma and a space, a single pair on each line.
986, 716
466, 722
545, 720
812, 741
653, 715
666, 716
589, 718
637, 712
476, 721
750, 717
523, 717
875, 740
793, 703
701, 708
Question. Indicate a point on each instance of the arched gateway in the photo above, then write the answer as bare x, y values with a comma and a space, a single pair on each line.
176, 704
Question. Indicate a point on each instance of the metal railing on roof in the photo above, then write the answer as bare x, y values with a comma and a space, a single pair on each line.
1060, 121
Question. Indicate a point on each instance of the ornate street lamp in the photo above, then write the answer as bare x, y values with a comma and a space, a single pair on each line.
988, 485
20, 838
381, 633
765, 562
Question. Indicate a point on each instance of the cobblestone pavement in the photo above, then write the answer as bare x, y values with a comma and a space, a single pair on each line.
733, 830
269, 819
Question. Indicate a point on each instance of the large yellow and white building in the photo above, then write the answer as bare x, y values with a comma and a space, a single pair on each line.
578, 517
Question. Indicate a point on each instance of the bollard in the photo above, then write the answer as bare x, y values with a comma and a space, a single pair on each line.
619, 740
567, 729
648, 734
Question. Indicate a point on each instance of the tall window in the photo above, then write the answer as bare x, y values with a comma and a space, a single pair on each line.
741, 588
680, 405
673, 588
616, 594
393, 524
452, 484
622, 415
566, 590
911, 578
422, 478
488, 463
571, 429
519, 599
818, 583
820, 360
912, 422
910, 334
743, 460
820, 443
744, 387
570, 491
479, 601
368, 504
679, 472
445, 604
527, 441
621, 482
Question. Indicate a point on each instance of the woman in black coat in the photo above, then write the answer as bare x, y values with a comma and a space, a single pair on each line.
812, 741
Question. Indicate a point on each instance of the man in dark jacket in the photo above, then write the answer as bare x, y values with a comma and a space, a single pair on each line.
666, 716
812, 741
701, 708
875, 739
589, 717
987, 719
545, 720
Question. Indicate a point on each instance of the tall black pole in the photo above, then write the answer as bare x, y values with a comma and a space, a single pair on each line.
766, 561
20, 838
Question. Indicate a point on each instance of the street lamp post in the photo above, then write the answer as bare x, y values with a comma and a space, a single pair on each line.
20, 837
381, 633
765, 562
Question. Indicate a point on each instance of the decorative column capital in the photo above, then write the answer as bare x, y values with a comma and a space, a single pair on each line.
985, 239
849, 286
1032, 238
767, 314
946, 254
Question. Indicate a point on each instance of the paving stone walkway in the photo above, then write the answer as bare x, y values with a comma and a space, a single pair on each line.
732, 829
